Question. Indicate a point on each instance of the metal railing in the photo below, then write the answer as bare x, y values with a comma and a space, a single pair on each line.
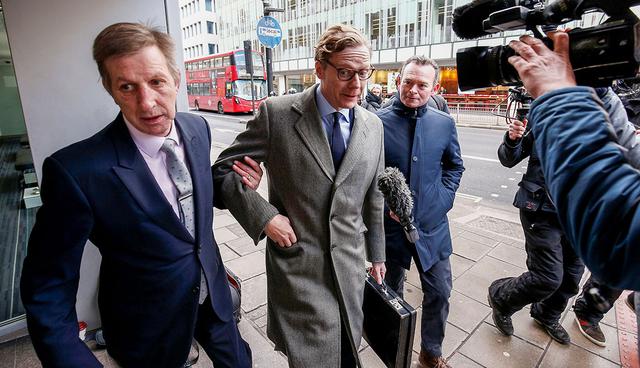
478, 114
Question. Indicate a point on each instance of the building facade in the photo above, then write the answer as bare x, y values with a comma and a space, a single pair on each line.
200, 28
396, 29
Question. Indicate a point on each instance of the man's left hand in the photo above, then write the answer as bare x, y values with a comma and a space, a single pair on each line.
250, 171
394, 216
378, 270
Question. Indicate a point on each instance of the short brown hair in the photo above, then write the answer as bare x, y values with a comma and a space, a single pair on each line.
337, 38
122, 39
421, 60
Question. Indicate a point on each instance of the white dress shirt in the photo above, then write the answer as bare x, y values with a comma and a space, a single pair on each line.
149, 147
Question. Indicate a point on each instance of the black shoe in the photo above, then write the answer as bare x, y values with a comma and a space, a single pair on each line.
591, 331
556, 331
630, 301
503, 322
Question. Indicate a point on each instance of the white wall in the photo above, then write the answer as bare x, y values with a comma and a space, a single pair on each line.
59, 85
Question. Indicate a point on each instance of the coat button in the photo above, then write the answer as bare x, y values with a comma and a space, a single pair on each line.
415, 158
333, 246
413, 192
196, 290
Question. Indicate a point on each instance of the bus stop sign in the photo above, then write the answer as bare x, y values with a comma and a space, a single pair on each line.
269, 32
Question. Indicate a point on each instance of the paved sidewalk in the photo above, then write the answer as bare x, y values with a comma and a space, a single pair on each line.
488, 244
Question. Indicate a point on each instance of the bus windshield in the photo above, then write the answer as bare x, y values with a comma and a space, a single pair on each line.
242, 88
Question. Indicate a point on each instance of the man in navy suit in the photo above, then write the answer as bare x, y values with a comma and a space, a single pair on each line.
140, 190
422, 143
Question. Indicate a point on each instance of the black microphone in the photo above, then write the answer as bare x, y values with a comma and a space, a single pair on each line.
468, 18
396, 192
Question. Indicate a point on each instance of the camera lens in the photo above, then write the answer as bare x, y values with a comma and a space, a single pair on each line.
598, 55
484, 66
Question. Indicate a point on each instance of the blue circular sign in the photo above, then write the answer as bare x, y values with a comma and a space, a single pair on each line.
269, 32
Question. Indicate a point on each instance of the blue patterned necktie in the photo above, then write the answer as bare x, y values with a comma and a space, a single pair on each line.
337, 142
181, 178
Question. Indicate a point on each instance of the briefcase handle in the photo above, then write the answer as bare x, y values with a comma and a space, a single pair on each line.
382, 287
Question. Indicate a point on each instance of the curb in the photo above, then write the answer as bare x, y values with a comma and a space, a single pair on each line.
491, 127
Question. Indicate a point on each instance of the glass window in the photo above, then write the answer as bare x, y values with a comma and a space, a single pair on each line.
20, 195
242, 88
210, 29
212, 48
258, 65
441, 21
391, 28
208, 5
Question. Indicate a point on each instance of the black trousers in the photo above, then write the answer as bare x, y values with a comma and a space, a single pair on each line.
585, 307
553, 276
436, 289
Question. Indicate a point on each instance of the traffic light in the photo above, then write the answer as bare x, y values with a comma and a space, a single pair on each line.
248, 56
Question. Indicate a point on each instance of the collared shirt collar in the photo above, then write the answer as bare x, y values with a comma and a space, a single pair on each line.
325, 108
150, 144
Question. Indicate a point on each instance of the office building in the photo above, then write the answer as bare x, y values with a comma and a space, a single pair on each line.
396, 29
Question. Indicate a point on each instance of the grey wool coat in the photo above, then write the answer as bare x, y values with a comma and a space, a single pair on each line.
337, 218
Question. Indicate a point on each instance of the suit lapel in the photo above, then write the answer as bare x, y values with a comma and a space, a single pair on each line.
357, 144
137, 178
309, 127
193, 152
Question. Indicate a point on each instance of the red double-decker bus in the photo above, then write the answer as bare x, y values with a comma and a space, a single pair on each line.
221, 82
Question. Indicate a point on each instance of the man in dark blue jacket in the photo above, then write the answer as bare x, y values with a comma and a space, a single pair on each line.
594, 188
141, 190
422, 143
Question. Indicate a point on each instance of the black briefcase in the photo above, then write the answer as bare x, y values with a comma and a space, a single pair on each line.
389, 324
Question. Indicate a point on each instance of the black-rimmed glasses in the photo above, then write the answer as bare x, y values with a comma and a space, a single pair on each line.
345, 74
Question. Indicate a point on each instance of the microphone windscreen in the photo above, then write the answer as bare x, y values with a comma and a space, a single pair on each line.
395, 190
468, 18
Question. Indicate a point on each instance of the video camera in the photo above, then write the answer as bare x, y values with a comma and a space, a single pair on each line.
598, 54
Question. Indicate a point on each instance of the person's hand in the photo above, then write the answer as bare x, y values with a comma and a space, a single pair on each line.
251, 172
516, 130
542, 70
280, 231
378, 270
394, 216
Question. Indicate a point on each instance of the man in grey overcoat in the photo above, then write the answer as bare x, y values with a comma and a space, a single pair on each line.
324, 215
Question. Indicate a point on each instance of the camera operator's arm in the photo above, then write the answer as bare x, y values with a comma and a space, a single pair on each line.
595, 191
514, 147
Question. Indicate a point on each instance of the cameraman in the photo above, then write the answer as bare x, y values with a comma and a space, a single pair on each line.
553, 268
595, 190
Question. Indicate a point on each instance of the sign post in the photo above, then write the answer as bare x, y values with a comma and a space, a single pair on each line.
269, 35
248, 62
